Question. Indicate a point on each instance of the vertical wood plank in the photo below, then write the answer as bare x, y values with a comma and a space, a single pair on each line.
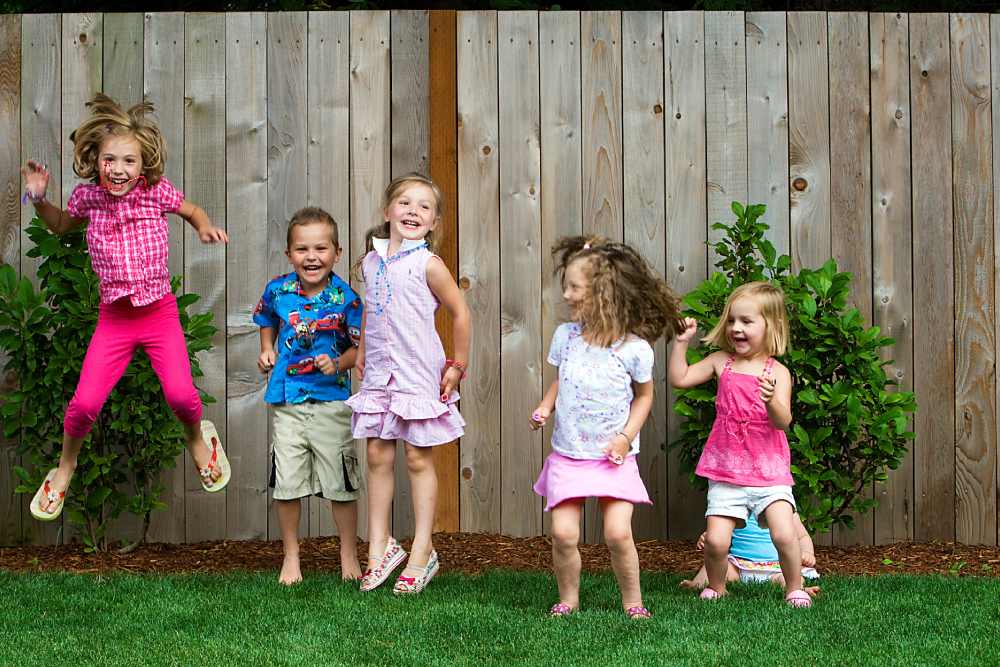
892, 244
246, 213
850, 187
123, 64
995, 104
520, 264
934, 245
286, 163
163, 46
562, 169
645, 230
205, 265
122, 76
409, 89
328, 154
975, 286
443, 86
479, 258
82, 57
726, 117
10, 243
809, 139
601, 74
685, 170
767, 121
370, 144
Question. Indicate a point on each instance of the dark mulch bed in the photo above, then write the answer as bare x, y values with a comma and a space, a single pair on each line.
474, 552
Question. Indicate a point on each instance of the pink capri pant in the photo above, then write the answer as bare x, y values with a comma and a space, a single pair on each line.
121, 328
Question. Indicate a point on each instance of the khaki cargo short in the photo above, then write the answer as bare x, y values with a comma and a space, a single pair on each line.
313, 452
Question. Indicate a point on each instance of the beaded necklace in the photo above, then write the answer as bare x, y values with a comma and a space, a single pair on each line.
381, 290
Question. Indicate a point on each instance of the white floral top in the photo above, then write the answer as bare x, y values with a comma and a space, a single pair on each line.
595, 390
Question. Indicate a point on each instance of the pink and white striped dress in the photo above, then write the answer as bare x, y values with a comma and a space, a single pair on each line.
404, 360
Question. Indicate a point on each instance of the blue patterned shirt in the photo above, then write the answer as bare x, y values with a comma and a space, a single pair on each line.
328, 323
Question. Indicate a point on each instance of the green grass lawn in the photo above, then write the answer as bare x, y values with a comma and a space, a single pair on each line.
495, 619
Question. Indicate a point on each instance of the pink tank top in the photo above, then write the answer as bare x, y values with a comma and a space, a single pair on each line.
744, 448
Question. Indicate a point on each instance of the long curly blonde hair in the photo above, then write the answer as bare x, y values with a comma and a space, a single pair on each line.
107, 119
624, 295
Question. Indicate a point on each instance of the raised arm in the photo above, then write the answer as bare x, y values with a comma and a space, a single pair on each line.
679, 373
36, 181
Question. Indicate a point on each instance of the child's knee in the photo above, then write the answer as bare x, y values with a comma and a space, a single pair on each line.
418, 459
618, 536
717, 544
185, 402
565, 535
81, 413
381, 456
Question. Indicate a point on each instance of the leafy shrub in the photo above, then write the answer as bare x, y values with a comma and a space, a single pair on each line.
847, 427
136, 436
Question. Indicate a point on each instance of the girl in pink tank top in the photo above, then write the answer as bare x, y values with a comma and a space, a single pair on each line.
746, 458
408, 388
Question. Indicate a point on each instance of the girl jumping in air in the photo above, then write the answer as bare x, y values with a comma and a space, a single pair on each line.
408, 387
619, 306
746, 459
122, 154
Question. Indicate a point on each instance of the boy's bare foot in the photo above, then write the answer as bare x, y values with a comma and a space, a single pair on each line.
290, 572
693, 584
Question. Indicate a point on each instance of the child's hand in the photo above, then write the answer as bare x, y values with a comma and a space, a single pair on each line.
617, 449
213, 234
326, 365
539, 417
700, 544
690, 327
265, 362
808, 559
766, 385
36, 179
449, 382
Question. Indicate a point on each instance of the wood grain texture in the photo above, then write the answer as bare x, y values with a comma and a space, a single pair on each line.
934, 245
975, 282
685, 170
479, 267
767, 121
205, 265
892, 244
809, 139
122, 54
645, 229
521, 265
163, 84
850, 187
246, 212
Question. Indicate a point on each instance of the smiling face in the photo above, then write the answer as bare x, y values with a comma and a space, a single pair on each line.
120, 163
746, 327
576, 286
313, 253
412, 214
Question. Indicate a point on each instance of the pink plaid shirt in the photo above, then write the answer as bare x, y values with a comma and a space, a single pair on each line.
127, 237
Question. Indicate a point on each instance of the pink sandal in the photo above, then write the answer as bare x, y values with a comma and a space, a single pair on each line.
799, 599
413, 585
638, 612
560, 609
710, 594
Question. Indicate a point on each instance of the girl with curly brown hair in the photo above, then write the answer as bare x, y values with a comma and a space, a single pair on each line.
124, 206
619, 306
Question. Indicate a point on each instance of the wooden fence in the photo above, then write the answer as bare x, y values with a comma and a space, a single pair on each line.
868, 136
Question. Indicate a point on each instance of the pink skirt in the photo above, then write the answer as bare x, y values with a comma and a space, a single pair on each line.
563, 479
394, 415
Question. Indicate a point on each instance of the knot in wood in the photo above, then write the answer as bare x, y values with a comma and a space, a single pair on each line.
800, 184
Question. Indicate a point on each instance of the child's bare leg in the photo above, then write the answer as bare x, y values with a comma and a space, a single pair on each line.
565, 555
381, 485
345, 515
424, 489
700, 579
289, 512
624, 557
67, 466
201, 454
778, 579
780, 521
718, 537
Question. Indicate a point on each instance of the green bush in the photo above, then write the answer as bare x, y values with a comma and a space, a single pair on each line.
136, 436
847, 427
